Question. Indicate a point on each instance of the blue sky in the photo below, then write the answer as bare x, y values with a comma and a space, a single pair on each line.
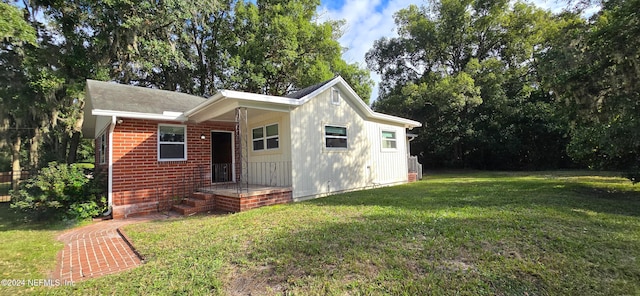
370, 20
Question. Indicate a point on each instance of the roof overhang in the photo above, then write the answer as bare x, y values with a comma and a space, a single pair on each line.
226, 100
360, 104
222, 105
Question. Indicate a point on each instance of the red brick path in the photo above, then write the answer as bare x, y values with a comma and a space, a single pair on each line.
95, 250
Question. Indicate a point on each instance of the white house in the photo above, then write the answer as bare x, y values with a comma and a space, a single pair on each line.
236, 150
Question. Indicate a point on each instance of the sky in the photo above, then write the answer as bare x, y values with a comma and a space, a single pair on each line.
370, 20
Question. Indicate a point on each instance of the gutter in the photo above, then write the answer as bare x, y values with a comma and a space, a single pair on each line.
112, 126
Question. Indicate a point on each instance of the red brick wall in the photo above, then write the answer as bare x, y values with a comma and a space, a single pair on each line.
239, 204
413, 177
140, 179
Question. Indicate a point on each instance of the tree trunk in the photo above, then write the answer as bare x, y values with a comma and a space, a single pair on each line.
73, 148
15, 163
34, 149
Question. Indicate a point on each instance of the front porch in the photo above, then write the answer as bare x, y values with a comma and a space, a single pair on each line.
228, 198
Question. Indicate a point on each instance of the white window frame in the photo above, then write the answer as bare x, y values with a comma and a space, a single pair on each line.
346, 136
383, 140
265, 138
184, 143
102, 155
335, 96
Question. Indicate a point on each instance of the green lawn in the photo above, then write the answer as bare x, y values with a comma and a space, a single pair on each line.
547, 233
27, 250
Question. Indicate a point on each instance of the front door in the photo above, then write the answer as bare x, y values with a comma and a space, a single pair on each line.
221, 157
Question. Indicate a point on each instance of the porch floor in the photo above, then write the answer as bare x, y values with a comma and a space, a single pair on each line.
230, 190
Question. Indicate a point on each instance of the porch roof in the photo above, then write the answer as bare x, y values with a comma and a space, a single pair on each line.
225, 101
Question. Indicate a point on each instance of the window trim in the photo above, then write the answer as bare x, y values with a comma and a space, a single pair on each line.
383, 139
172, 143
325, 136
335, 96
265, 138
102, 155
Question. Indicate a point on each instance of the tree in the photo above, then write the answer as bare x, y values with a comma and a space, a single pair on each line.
16, 36
466, 69
595, 68
280, 48
195, 47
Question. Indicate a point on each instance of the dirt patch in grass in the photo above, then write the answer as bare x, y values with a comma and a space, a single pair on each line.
256, 281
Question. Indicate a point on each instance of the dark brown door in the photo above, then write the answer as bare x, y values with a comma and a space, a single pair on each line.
221, 157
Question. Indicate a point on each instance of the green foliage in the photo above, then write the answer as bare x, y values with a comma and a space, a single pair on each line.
595, 68
467, 70
196, 47
13, 27
59, 191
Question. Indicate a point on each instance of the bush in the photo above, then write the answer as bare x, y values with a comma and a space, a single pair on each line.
60, 191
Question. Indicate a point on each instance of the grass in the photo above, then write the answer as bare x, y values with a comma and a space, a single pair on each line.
27, 251
546, 233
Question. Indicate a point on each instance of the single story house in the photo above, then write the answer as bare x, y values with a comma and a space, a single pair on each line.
236, 150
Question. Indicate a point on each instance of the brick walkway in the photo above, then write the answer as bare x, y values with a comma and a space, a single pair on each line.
96, 250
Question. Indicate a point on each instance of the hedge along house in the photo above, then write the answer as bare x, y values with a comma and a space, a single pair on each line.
236, 150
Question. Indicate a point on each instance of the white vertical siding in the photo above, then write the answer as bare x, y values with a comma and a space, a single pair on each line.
317, 170
270, 167
388, 165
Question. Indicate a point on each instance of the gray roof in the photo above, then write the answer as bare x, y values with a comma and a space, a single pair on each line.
129, 98
307, 90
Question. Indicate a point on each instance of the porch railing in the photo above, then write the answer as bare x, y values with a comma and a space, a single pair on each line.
222, 172
415, 166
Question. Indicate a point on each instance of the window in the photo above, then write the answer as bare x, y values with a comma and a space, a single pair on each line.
335, 97
172, 144
268, 134
389, 140
335, 136
103, 148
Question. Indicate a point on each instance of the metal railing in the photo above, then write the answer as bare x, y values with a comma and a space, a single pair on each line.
222, 172
171, 193
272, 174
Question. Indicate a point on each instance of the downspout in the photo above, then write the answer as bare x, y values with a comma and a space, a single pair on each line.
112, 126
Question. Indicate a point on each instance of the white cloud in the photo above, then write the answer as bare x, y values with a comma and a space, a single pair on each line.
364, 25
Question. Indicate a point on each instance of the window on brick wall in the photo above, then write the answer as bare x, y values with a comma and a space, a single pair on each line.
172, 142
265, 134
103, 148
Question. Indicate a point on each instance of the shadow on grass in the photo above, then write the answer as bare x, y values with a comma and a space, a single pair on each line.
10, 219
397, 252
498, 191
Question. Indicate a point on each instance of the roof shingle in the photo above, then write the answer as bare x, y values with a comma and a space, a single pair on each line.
307, 90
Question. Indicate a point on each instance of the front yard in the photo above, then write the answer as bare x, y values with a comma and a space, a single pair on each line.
542, 233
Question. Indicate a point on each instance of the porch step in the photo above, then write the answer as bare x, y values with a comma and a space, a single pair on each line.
194, 202
203, 196
184, 209
198, 203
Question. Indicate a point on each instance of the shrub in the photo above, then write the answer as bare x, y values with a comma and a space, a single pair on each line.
59, 191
